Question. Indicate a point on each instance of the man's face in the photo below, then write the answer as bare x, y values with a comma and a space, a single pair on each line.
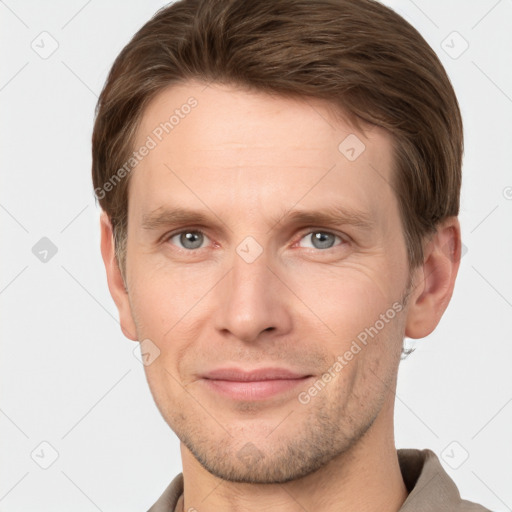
251, 286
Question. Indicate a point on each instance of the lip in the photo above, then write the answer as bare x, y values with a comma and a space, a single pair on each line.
253, 385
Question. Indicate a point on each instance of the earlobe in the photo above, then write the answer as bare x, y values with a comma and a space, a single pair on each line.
115, 280
434, 280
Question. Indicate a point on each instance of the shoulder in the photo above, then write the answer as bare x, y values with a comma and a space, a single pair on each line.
429, 485
169, 498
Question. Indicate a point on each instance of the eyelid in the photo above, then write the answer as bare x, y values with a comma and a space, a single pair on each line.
166, 238
308, 231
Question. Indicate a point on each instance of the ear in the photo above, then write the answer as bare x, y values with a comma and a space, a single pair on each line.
433, 282
115, 279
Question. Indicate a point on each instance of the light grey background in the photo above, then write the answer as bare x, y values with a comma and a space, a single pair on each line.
70, 379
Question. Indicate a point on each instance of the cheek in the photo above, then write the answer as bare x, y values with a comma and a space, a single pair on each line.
346, 300
170, 308
161, 296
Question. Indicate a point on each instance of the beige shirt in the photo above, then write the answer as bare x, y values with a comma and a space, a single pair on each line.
430, 488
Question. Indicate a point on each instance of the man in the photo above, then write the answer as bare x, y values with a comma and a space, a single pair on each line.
280, 188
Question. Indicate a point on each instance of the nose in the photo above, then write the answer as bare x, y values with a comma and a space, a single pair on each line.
252, 299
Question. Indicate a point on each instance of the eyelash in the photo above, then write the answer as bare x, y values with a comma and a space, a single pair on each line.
344, 239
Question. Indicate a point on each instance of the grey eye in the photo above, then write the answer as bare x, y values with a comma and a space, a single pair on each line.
189, 239
321, 239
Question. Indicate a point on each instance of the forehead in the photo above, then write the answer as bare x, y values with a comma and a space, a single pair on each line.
230, 148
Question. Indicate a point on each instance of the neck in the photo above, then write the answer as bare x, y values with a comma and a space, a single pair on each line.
366, 478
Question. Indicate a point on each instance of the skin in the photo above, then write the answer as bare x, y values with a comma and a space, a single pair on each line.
247, 160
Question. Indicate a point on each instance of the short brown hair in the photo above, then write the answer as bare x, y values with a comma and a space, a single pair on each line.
359, 55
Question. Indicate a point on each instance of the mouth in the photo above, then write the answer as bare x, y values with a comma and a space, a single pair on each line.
253, 385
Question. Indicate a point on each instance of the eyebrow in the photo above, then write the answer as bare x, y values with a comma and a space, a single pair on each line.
334, 215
